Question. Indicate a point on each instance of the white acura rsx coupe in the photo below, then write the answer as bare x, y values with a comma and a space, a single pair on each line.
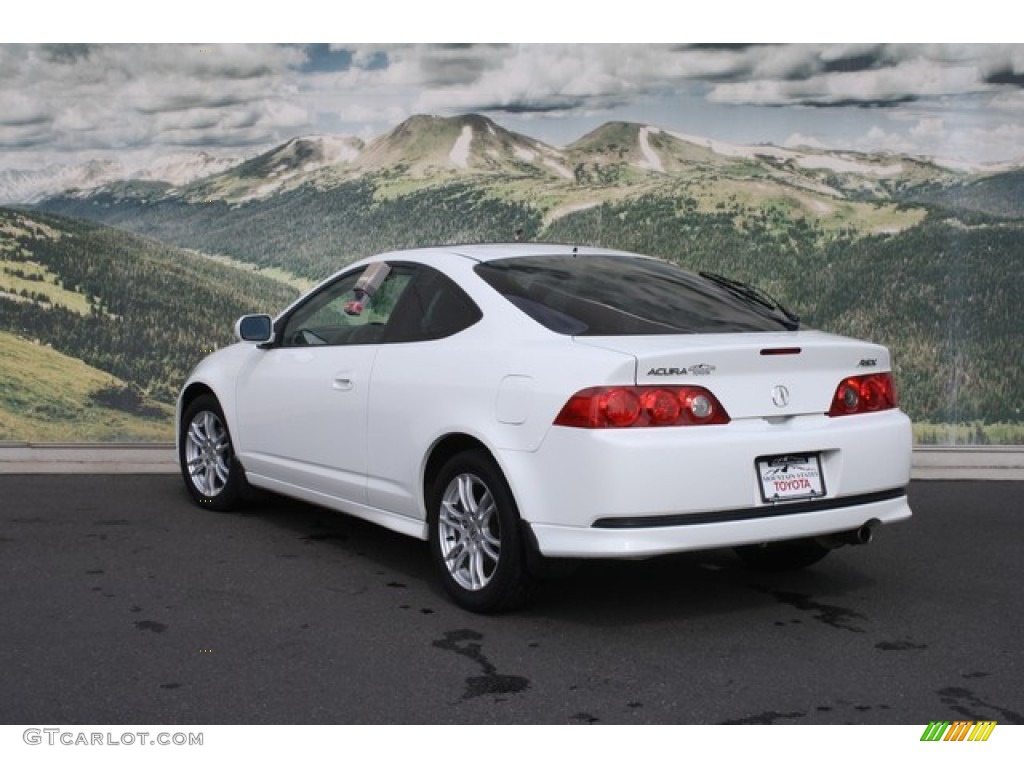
522, 403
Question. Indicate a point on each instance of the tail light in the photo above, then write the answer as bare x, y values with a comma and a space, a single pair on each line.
617, 407
864, 394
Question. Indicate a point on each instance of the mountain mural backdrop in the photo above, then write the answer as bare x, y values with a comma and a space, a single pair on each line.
135, 274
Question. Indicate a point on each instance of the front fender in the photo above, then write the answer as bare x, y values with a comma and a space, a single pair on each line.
216, 374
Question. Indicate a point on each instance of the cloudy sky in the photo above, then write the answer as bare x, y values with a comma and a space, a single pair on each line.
67, 102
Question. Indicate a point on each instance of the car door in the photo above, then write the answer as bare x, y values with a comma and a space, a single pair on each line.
419, 372
302, 402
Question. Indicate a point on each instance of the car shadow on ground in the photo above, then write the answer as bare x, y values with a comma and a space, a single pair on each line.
684, 586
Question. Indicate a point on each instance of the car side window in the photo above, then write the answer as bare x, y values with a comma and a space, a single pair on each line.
432, 307
341, 314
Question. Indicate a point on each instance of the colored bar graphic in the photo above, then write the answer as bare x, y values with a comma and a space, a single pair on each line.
958, 730
935, 730
982, 730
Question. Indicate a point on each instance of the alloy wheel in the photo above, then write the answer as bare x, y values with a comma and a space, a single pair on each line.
208, 453
469, 532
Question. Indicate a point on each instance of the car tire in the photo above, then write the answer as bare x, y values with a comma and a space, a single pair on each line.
782, 555
212, 475
476, 540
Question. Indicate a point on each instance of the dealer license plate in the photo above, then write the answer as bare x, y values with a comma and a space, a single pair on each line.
790, 477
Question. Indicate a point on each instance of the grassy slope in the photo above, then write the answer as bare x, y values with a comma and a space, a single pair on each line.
46, 397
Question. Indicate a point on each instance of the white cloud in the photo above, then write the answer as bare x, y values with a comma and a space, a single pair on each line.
118, 96
908, 80
929, 129
18, 108
1008, 102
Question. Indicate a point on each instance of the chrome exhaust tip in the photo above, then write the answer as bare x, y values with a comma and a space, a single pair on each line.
853, 538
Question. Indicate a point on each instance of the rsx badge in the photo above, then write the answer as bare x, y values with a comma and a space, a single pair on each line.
701, 369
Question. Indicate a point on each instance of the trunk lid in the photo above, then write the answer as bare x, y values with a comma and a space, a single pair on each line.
753, 375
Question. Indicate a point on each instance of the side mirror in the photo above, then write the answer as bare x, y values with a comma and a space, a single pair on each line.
257, 328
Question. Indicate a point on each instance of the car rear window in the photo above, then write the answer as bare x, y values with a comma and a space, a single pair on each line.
608, 295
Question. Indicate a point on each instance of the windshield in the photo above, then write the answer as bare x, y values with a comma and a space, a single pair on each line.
629, 296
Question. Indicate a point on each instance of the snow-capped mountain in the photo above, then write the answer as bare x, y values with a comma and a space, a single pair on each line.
428, 149
185, 167
421, 148
423, 145
647, 149
30, 186
17, 186
301, 156
284, 167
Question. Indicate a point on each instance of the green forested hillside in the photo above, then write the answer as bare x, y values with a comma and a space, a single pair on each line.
312, 232
999, 195
132, 307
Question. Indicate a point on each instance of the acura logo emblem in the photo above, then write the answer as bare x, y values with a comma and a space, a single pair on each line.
780, 396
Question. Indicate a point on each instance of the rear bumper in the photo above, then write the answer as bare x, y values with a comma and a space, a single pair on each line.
650, 540
644, 492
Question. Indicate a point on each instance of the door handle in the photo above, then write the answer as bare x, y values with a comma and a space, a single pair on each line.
342, 383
